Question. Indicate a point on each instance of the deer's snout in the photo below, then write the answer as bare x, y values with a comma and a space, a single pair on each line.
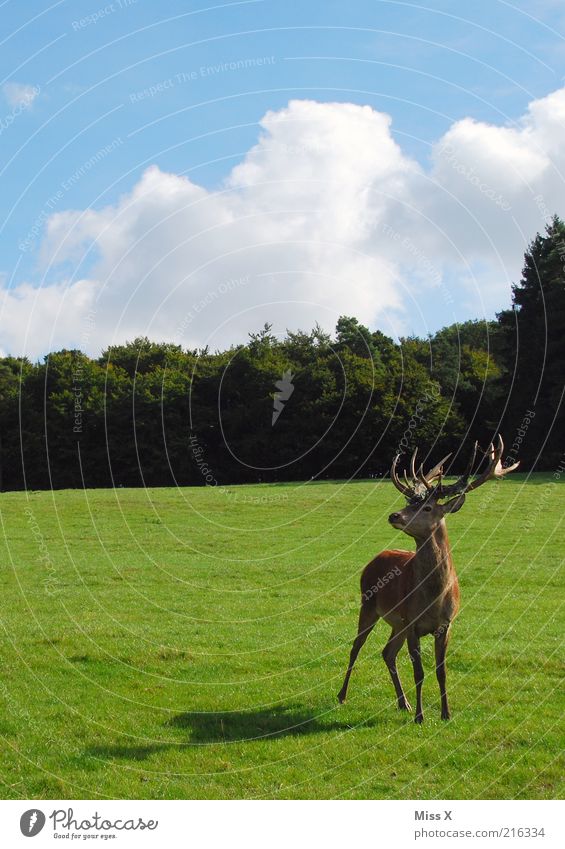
395, 518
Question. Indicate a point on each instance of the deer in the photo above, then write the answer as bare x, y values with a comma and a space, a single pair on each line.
417, 593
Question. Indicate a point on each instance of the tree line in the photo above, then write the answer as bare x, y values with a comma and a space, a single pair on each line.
310, 405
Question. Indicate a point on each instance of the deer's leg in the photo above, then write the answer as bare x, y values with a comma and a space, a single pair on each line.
390, 651
441, 640
414, 649
367, 619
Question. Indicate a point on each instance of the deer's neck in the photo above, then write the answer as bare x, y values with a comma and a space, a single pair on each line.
433, 556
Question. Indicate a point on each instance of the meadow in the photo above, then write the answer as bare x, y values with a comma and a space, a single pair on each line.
189, 643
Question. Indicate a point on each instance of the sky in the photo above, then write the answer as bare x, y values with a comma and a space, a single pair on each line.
189, 172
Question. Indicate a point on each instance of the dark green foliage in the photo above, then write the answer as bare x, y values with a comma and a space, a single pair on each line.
151, 414
532, 351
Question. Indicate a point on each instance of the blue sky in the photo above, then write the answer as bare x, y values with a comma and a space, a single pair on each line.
152, 83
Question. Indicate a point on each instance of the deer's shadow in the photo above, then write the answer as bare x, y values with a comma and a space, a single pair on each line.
234, 727
247, 726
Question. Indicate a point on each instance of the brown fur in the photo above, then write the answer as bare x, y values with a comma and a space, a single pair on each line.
416, 593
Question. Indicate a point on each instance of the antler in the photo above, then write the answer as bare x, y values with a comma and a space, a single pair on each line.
407, 490
493, 470
437, 470
420, 484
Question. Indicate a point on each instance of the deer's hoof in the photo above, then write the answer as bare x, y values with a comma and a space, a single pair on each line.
404, 706
445, 715
419, 718
341, 698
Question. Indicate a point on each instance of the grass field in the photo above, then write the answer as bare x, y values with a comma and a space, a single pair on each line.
190, 644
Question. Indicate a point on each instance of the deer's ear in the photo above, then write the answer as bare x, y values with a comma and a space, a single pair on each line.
454, 504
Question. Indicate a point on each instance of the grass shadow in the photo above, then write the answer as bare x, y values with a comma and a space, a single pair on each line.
233, 727
247, 726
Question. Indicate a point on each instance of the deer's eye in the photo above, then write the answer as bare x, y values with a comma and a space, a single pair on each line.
427, 509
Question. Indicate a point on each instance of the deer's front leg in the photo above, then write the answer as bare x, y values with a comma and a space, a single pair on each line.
390, 652
441, 640
414, 649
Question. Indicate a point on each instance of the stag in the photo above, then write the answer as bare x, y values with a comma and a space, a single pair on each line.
417, 593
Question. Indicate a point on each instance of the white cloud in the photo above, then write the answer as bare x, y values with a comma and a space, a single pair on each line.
19, 94
294, 220
325, 215
36, 320
500, 180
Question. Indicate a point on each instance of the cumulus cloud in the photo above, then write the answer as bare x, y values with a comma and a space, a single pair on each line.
19, 94
285, 239
36, 320
325, 215
491, 169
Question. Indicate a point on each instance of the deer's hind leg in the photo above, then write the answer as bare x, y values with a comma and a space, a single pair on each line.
367, 619
390, 651
441, 640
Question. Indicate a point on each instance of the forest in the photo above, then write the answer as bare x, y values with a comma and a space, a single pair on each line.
310, 405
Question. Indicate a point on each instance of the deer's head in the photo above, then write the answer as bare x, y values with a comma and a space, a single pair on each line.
425, 491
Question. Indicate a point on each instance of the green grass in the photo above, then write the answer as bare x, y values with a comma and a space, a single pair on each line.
190, 643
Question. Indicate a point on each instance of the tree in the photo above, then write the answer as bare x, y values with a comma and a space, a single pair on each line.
13, 371
532, 347
358, 338
151, 413
464, 362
